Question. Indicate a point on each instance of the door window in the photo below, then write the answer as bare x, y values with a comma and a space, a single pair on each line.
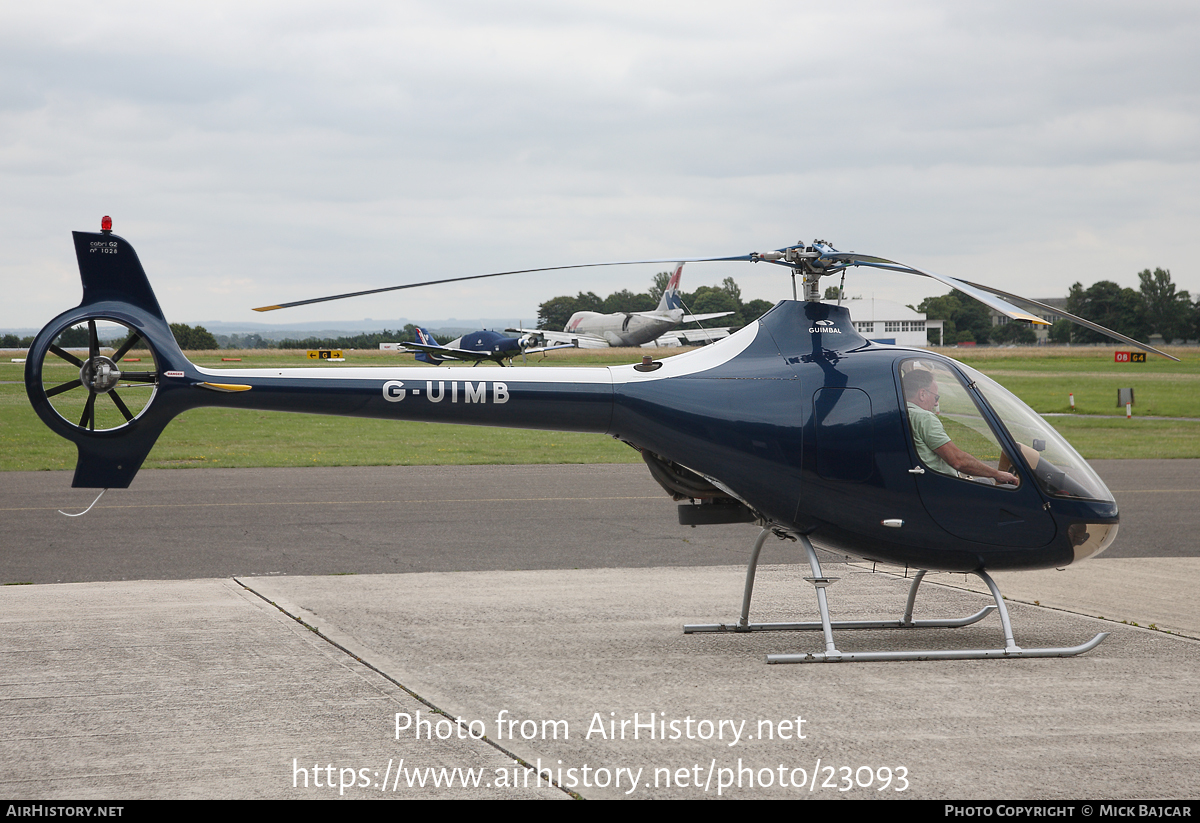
941, 411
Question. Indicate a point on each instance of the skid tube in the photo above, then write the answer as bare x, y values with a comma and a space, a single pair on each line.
832, 655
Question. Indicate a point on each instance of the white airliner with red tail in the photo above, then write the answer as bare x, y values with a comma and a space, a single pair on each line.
593, 330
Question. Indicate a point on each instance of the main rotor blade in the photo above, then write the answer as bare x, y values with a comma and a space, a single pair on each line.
746, 257
979, 293
990, 297
1088, 324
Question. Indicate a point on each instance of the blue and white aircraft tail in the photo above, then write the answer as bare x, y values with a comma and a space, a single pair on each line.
425, 338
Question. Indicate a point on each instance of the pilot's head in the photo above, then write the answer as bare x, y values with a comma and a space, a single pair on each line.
921, 389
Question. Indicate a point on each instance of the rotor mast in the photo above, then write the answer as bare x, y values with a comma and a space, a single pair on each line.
805, 260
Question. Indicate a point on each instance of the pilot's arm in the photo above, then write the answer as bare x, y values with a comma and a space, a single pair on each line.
966, 463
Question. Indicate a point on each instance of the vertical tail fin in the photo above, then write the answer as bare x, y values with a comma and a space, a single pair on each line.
670, 297
425, 338
119, 424
110, 270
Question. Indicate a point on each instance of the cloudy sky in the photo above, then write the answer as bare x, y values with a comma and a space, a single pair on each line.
257, 152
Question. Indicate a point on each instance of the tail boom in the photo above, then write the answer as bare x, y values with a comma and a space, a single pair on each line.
116, 290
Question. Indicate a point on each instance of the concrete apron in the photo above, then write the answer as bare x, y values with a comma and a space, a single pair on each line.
204, 689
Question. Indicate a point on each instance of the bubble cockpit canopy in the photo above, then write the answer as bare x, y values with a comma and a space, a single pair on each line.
1058, 468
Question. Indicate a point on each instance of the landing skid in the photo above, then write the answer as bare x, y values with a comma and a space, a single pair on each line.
832, 655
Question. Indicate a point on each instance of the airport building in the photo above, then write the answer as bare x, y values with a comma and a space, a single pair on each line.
883, 321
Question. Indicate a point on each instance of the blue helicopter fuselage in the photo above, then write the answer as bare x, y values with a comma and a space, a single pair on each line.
797, 416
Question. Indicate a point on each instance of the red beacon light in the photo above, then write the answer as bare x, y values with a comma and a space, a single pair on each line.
106, 224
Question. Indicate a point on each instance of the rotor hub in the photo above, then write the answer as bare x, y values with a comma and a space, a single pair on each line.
100, 374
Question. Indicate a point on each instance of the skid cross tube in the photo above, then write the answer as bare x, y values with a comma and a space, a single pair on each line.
826, 626
906, 622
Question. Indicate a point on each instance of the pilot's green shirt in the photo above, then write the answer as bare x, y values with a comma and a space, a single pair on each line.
929, 435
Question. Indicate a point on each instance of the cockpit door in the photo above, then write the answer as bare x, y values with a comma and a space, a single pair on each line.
940, 408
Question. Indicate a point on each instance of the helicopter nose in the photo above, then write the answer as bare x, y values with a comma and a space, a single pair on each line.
1090, 539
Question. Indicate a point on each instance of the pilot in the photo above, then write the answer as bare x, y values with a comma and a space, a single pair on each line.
934, 446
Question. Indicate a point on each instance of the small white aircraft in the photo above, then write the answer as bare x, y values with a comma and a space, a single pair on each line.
593, 330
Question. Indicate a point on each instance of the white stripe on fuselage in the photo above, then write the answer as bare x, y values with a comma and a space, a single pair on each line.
692, 362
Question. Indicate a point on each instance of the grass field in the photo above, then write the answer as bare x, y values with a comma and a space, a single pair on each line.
1043, 378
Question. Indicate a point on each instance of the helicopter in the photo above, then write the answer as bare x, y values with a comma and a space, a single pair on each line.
796, 423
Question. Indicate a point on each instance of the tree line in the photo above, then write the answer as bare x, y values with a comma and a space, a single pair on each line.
1157, 307
76, 337
555, 312
370, 340
552, 314
198, 338
366, 340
